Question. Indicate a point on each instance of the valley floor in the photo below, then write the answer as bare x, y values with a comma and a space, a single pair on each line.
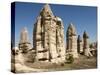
81, 63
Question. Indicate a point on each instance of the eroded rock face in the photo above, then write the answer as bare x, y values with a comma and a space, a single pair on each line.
86, 49
79, 45
72, 40
24, 44
48, 37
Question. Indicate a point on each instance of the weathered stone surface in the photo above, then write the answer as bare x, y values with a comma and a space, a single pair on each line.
86, 48
72, 40
48, 36
79, 44
24, 44
93, 49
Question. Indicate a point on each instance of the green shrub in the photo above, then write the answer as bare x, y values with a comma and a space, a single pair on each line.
69, 58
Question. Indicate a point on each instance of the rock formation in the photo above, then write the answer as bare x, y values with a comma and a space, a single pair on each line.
79, 44
48, 37
72, 40
86, 49
48, 51
24, 44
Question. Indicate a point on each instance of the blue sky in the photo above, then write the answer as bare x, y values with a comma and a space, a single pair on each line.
83, 17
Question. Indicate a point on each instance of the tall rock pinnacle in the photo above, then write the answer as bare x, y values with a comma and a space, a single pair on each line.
24, 35
72, 40
46, 11
48, 37
24, 44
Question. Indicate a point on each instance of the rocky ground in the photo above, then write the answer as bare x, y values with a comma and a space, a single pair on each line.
81, 63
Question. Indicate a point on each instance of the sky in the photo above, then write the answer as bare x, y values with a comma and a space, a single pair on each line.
84, 18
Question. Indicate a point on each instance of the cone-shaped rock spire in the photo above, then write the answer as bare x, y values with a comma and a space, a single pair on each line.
79, 44
48, 37
72, 40
24, 35
85, 35
71, 29
46, 11
79, 38
86, 44
24, 44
